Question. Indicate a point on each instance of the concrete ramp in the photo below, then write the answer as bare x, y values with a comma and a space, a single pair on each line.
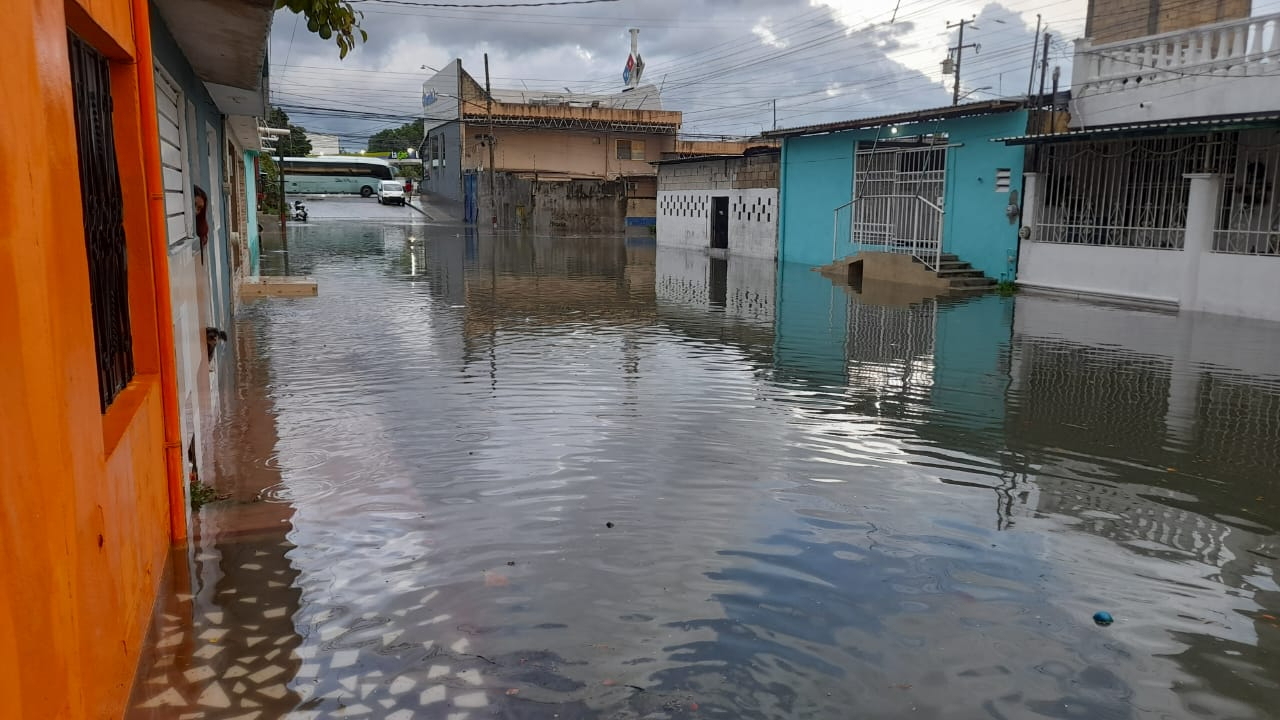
873, 267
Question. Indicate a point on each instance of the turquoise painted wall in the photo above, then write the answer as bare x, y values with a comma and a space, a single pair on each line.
977, 227
251, 210
817, 177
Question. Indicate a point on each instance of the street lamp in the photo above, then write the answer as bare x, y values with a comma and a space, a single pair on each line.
967, 93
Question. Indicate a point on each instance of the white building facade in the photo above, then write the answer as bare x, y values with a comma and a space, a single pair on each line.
324, 144
1166, 188
723, 204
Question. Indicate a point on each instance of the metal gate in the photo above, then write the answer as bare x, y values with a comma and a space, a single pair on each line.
897, 201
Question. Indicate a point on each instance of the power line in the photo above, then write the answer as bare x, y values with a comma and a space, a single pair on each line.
543, 3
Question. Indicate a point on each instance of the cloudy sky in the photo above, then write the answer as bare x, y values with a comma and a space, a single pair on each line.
721, 62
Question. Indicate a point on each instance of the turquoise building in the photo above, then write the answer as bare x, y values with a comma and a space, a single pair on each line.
925, 172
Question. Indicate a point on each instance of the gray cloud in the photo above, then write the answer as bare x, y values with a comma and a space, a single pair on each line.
722, 63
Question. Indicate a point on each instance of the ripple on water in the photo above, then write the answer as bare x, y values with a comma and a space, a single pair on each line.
297, 490
300, 460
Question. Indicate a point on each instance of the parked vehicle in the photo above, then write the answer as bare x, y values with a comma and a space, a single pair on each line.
299, 211
390, 191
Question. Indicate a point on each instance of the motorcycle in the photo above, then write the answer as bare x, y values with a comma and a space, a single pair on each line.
299, 211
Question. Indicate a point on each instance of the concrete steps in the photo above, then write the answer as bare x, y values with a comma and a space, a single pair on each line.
960, 274
953, 275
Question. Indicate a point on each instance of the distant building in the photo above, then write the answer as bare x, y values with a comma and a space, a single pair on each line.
602, 145
323, 144
726, 204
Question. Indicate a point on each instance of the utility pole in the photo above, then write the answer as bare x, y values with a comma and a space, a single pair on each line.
1044, 66
1035, 48
284, 206
775, 114
959, 51
493, 196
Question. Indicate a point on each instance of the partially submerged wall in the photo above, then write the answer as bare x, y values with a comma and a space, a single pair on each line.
544, 206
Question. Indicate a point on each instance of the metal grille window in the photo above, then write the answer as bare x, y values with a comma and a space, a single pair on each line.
103, 207
1249, 220
1119, 193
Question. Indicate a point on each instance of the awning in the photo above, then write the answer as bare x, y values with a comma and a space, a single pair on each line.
1163, 127
225, 41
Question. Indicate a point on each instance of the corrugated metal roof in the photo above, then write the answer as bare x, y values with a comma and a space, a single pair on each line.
722, 156
949, 112
1146, 128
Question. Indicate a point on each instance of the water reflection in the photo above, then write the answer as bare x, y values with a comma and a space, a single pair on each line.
538, 476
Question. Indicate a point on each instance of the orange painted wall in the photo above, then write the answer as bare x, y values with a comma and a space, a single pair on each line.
84, 519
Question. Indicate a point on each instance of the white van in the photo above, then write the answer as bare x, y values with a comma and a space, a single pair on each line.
390, 191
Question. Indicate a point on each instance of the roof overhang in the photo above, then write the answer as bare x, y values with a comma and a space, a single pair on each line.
949, 112
224, 40
1147, 129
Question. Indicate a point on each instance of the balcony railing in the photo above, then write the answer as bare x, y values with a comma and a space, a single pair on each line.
1219, 69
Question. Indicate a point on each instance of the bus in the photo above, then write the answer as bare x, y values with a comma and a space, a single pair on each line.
335, 174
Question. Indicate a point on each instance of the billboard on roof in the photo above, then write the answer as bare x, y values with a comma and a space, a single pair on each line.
440, 96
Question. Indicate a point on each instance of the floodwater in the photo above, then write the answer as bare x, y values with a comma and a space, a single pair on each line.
571, 477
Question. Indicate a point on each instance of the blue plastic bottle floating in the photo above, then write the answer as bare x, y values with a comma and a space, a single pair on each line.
1103, 618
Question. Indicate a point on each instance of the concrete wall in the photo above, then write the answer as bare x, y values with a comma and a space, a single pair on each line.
444, 175
1151, 275
750, 182
1225, 284
751, 171
684, 220
544, 206
817, 177
578, 153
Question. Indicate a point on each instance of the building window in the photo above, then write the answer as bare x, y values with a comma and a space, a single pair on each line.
630, 149
103, 207
1004, 180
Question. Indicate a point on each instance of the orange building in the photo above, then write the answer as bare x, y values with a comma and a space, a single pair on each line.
93, 477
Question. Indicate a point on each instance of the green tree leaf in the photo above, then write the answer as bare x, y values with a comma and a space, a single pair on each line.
330, 19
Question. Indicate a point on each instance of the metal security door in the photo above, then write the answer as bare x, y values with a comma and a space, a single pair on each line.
897, 200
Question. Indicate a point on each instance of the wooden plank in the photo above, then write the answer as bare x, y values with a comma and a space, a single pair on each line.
279, 287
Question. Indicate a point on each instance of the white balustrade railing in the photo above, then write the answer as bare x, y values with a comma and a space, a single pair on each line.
1233, 48
897, 223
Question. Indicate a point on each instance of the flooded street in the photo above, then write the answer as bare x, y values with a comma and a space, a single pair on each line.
588, 477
